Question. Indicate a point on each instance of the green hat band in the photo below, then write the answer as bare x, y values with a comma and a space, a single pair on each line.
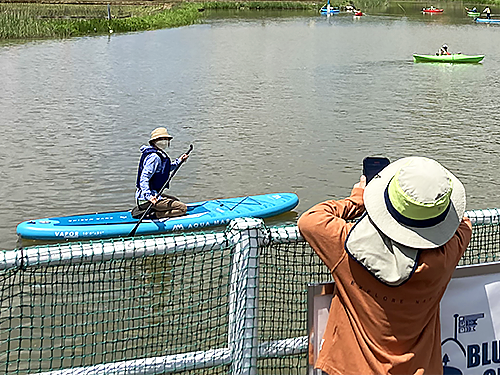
412, 209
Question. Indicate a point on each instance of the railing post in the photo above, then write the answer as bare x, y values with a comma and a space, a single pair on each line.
245, 236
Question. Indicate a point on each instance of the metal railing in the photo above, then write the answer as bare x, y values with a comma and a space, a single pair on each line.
245, 238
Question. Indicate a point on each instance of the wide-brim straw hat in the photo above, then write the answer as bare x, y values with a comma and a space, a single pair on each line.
416, 202
159, 133
412, 204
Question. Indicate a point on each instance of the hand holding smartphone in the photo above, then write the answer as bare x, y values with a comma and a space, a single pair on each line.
373, 165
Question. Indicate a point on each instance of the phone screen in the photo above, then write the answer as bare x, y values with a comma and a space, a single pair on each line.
373, 165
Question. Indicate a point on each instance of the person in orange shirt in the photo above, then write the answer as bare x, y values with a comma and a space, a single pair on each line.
391, 267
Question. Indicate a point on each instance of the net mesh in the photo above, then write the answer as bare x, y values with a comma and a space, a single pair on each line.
285, 272
83, 313
484, 246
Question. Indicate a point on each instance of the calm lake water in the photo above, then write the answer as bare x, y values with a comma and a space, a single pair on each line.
271, 101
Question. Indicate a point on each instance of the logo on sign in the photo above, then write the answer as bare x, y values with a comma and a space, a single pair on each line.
468, 323
479, 357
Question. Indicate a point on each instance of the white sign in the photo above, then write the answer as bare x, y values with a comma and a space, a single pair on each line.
470, 321
470, 325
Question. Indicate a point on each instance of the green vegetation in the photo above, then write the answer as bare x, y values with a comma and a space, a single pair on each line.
22, 21
32, 20
286, 5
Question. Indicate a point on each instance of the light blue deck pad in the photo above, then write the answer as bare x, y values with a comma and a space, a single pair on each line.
120, 223
486, 20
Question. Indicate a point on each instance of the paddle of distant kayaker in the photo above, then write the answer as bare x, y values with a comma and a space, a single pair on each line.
155, 168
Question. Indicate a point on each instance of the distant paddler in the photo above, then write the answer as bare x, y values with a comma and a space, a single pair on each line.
487, 10
443, 51
328, 9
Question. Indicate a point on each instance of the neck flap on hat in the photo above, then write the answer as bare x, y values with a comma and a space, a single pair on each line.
390, 262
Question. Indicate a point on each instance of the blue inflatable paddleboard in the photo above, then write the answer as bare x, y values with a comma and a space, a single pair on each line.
120, 223
487, 20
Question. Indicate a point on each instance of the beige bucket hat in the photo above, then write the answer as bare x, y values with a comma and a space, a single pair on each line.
414, 203
159, 133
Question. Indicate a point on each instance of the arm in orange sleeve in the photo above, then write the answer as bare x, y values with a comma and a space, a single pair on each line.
325, 228
460, 241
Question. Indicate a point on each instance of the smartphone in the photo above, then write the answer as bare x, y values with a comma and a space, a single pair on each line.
373, 165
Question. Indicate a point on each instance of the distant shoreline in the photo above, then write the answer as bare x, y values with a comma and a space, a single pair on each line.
235, 4
39, 19
69, 18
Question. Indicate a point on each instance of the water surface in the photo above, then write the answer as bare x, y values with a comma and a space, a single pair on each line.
271, 101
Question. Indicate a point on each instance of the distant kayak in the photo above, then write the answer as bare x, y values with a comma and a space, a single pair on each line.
486, 20
359, 14
120, 223
324, 10
455, 59
432, 10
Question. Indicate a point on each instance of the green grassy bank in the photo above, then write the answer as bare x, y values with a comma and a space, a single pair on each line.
26, 21
32, 20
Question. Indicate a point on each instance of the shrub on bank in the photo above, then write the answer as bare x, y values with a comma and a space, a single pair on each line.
21, 21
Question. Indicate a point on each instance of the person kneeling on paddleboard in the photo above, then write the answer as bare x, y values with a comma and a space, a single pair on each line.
155, 168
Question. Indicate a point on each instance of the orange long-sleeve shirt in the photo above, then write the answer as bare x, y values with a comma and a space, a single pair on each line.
375, 329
